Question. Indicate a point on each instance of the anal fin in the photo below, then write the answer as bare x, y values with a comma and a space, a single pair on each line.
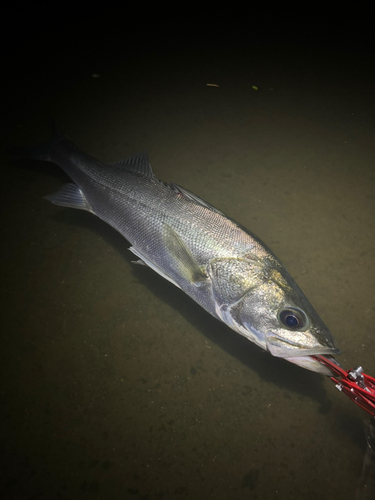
70, 196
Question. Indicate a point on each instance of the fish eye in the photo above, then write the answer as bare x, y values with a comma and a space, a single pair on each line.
293, 318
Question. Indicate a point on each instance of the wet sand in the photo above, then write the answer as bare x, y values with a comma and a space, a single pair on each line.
114, 383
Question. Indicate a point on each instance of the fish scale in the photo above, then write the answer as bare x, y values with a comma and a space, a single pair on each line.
221, 265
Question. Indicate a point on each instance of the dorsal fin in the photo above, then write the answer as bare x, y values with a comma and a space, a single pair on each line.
138, 164
191, 196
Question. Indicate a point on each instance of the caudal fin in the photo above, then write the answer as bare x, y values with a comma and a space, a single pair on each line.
40, 151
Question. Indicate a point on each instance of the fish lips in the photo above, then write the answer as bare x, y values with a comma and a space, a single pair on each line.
295, 349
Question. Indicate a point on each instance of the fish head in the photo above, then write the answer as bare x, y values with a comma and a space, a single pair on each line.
261, 301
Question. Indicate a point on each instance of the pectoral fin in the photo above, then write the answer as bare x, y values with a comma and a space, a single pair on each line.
182, 259
145, 261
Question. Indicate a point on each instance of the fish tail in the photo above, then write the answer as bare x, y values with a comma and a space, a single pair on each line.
40, 151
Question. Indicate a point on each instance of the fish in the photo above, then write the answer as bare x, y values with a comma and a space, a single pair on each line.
222, 266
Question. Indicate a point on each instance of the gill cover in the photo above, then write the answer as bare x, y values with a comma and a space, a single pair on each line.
262, 302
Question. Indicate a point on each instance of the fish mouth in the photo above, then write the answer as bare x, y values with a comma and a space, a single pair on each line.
299, 354
310, 363
285, 348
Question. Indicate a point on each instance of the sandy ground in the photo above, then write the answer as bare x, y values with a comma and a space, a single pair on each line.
115, 385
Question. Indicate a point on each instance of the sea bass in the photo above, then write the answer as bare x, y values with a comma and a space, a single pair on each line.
221, 265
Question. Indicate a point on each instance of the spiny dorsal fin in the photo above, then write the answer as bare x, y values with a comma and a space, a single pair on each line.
138, 164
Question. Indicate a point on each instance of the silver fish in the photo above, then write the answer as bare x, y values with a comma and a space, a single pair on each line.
218, 263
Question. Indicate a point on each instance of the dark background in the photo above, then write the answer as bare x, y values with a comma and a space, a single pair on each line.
115, 385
